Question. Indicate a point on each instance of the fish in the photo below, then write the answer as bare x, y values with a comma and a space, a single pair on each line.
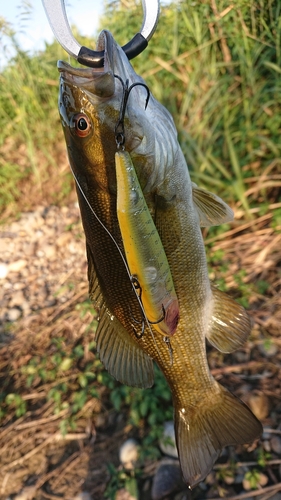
144, 251
207, 417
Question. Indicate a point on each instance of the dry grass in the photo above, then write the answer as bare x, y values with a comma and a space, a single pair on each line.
32, 449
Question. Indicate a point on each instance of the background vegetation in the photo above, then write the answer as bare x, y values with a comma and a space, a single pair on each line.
216, 66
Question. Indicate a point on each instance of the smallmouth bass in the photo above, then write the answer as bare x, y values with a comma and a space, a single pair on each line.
207, 416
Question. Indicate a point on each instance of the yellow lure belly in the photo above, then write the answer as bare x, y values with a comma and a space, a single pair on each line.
146, 257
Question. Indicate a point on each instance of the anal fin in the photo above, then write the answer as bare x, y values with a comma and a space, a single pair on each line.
211, 209
230, 325
119, 352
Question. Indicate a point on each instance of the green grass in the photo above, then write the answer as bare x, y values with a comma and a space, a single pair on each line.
218, 72
220, 76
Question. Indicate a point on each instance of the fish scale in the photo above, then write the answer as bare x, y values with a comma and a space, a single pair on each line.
207, 416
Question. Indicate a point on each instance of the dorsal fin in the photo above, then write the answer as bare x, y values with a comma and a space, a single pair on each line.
212, 210
230, 324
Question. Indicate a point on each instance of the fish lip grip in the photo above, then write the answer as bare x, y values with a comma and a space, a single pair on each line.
56, 14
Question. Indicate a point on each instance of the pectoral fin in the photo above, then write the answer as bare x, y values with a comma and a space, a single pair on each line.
121, 355
230, 325
211, 209
94, 288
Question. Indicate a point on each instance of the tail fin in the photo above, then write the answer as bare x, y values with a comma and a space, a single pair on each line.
219, 421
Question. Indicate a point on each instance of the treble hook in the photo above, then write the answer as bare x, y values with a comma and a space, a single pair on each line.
136, 284
170, 349
119, 127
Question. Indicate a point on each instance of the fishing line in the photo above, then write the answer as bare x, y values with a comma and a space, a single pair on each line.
132, 278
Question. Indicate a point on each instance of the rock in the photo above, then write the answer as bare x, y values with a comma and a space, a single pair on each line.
167, 442
275, 444
13, 314
17, 299
17, 266
27, 493
3, 271
84, 495
266, 446
49, 251
167, 479
260, 480
266, 432
268, 348
277, 496
263, 480
259, 404
64, 239
128, 453
124, 494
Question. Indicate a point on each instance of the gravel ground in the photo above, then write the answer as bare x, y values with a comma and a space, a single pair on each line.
40, 254
43, 277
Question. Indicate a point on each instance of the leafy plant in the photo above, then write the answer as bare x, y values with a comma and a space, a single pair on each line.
121, 479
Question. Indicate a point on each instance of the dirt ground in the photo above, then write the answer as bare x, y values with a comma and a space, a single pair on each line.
42, 299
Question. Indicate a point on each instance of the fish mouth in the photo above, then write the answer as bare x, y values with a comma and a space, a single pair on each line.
99, 81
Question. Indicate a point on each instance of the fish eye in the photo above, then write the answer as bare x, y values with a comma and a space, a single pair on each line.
81, 125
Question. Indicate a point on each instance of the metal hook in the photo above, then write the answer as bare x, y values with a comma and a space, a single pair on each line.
55, 10
136, 284
170, 349
119, 127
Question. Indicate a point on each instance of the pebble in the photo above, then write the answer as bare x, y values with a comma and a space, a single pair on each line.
36, 262
17, 299
266, 432
268, 349
13, 314
275, 444
259, 404
27, 493
277, 496
167, 442
266, 446
17, 266
167, 479
83, 496
124, 494
128, 453
3, 271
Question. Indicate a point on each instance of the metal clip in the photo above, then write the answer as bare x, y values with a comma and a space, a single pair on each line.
55, 10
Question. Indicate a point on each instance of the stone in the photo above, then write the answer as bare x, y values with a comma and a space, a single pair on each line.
128, 453
17, 299
167, 442
17, 266
124, 494
13, 314
167, 479
27, 493
259, 404
266, 432
3, 271
84, 495
275, 444
49, 251
268, 349
277, 496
